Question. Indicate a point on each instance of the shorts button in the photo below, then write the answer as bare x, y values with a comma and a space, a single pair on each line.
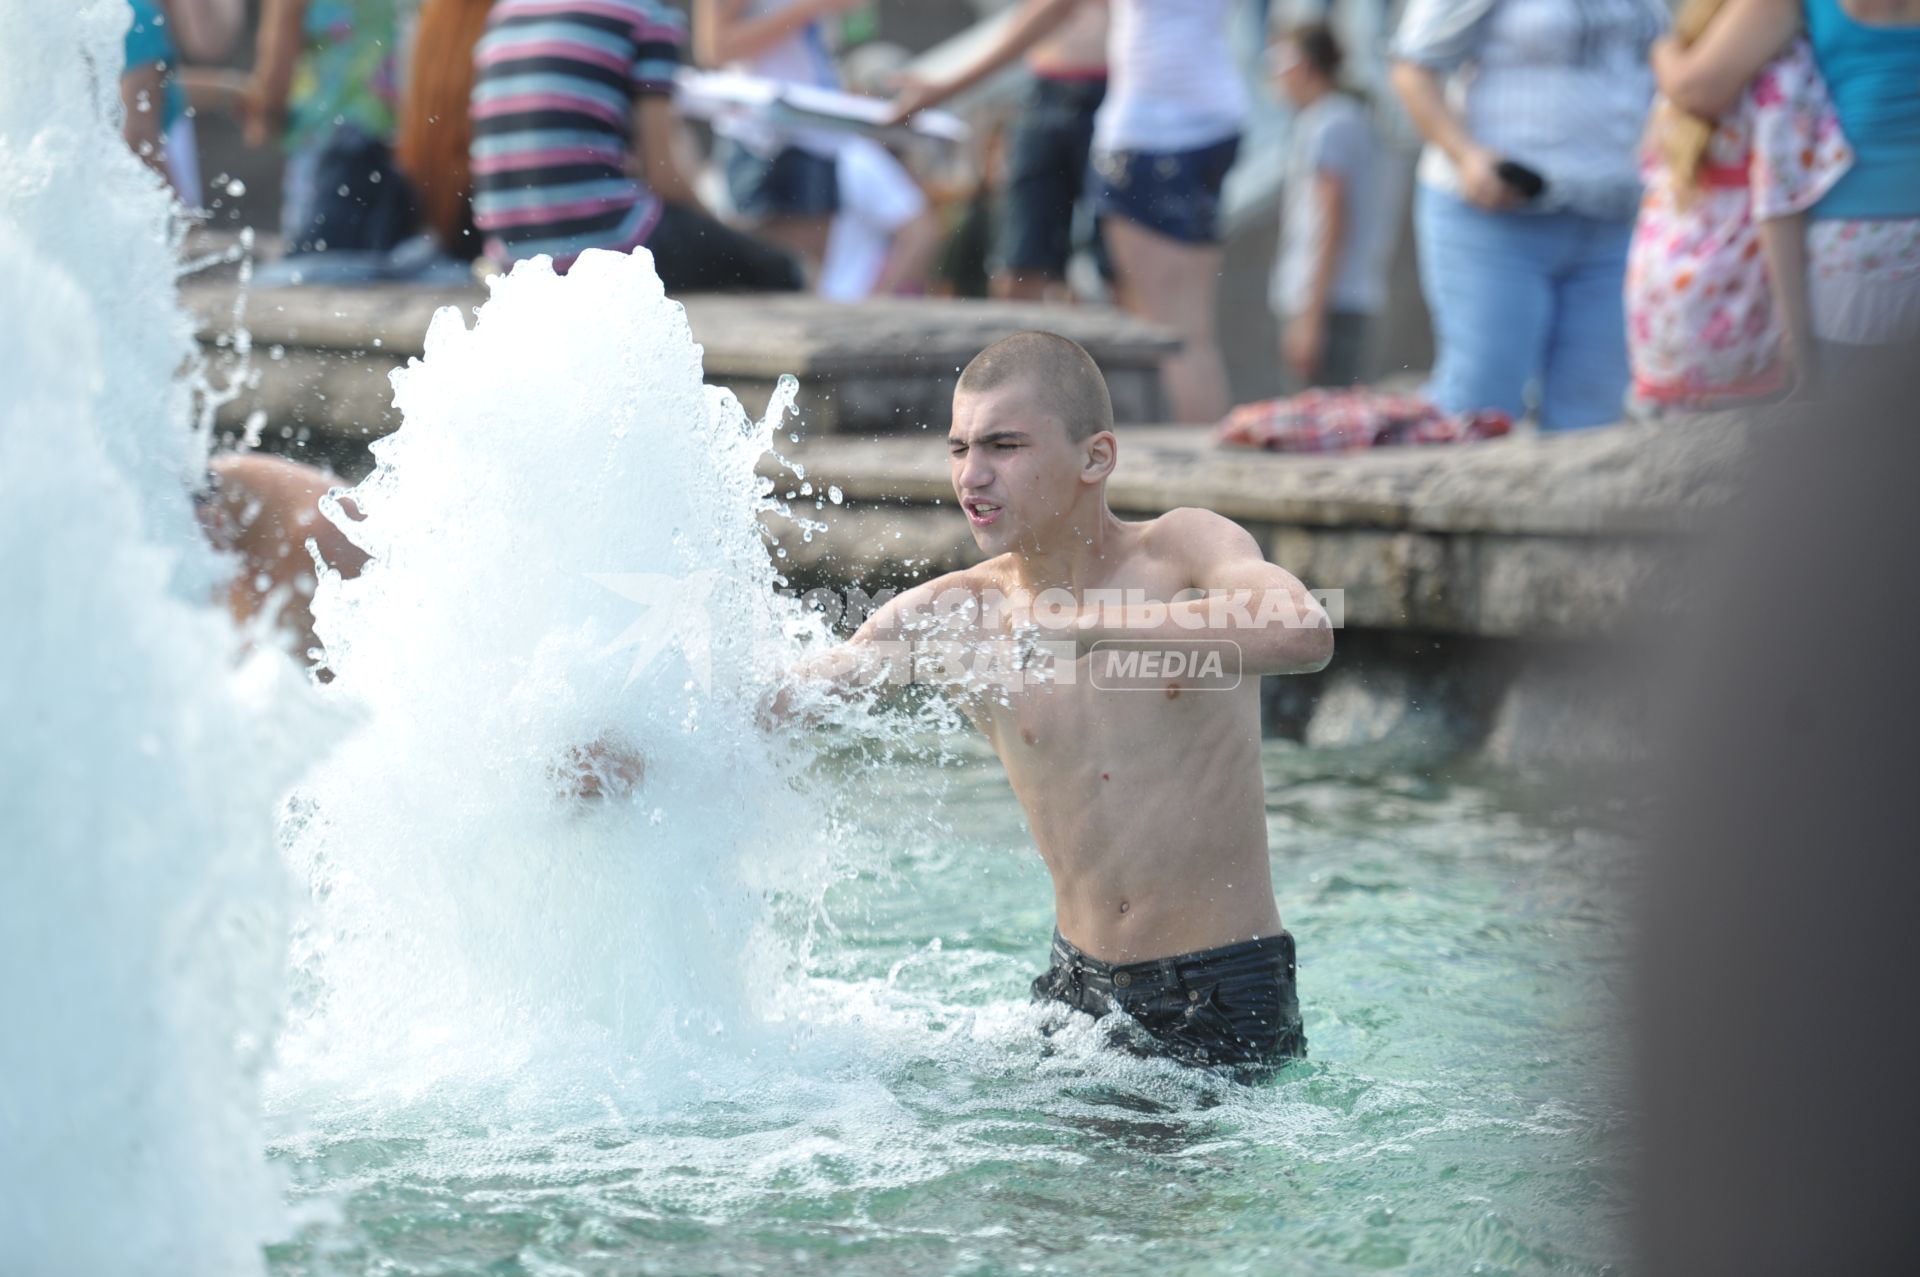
1121, 979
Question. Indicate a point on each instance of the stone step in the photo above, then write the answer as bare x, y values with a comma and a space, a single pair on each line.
321, 354
1556, 538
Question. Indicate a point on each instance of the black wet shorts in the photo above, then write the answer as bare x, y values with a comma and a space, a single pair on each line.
1047, 173
1233, 1006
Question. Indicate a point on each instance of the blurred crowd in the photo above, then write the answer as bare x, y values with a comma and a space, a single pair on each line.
1621, 206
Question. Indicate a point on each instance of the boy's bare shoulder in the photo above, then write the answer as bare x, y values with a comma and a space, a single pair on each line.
974, 580
931, 596
1192, 534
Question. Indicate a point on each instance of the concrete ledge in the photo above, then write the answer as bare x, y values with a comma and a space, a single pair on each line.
1628, 480
323, 354
1552, 537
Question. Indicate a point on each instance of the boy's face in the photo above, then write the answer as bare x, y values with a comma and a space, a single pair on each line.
1016, 471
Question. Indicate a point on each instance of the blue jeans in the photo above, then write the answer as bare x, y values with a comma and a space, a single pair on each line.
1524, 297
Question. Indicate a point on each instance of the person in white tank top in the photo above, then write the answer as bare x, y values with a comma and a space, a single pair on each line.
783, 186
1164, 139
1172, 83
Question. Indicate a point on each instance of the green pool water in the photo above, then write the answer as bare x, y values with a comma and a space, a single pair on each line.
1462, 958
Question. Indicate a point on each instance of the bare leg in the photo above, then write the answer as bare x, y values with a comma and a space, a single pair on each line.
1175, 284
1784, 240
911, 256
265, 509
1023, 286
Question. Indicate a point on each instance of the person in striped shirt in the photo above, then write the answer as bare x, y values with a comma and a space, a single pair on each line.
573, 125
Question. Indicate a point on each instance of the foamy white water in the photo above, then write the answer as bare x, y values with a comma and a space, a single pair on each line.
142, 904
565, 551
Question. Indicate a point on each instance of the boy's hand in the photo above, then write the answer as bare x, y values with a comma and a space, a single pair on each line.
601, 770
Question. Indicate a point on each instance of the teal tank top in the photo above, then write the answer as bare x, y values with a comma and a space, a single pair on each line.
1873, 74
147, 42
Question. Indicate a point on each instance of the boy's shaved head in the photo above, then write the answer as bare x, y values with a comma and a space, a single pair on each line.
1062, 376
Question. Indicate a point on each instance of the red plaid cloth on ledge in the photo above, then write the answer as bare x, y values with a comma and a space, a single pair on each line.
1344, 420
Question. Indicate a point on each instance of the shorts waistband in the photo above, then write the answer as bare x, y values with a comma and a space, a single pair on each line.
1072, 75
1204, 963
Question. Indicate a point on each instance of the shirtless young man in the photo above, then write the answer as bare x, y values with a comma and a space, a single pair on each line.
1147, 803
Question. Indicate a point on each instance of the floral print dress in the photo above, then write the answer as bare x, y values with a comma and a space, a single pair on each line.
1701, 323
348, 71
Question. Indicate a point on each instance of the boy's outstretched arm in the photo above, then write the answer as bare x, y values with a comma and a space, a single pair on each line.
1278, 627
879, 654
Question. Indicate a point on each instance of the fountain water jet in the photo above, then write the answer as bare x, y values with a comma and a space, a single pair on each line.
142, 915
564, 550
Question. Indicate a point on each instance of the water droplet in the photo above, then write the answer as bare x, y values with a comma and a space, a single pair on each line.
834, 494
236, 188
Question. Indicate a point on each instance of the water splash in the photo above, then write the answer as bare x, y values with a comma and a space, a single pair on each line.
475, 929
142, 920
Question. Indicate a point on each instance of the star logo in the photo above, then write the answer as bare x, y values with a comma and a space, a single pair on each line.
675, 612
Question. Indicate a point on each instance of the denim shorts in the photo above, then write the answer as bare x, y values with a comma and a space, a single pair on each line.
1047, 173
1176, 193
344, 191
1234, 1006
791, 183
